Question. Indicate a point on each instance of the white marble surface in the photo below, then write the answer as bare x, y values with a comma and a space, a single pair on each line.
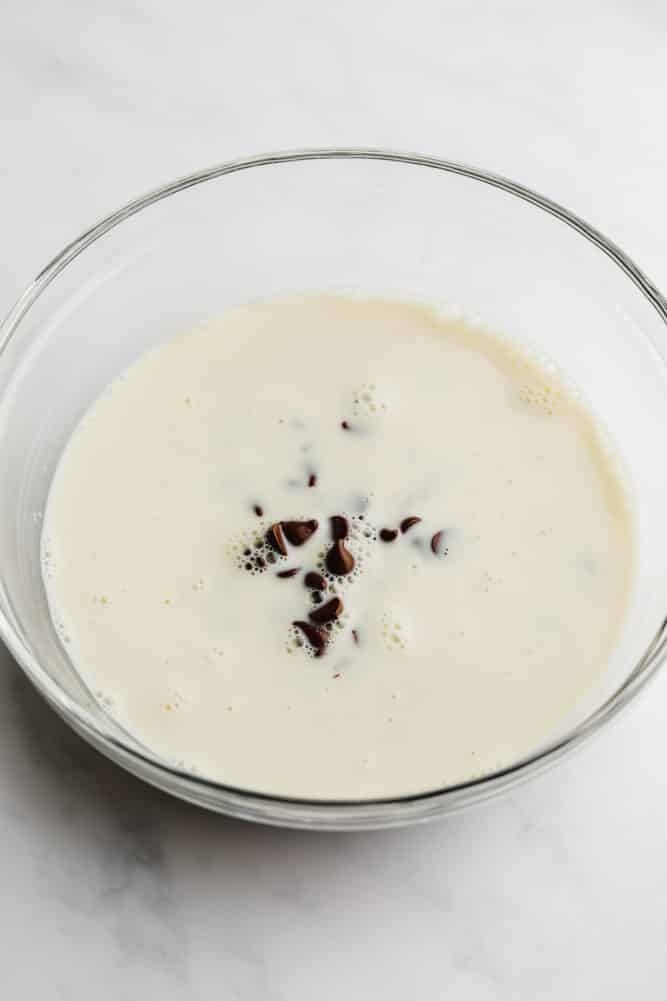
111, 890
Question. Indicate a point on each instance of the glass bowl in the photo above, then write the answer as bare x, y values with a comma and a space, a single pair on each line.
341, 219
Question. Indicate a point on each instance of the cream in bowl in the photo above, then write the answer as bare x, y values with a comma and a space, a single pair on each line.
339, 548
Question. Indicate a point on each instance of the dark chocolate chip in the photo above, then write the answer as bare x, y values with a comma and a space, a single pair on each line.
316, 637
298, 532
288, 573
327, 613
438, 543
345, 426
388, 534
312, 480
339, 527
275, 539
315, 580
258, 510
407, 523
340, 560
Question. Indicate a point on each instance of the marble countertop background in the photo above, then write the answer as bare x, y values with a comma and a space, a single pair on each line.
110, 890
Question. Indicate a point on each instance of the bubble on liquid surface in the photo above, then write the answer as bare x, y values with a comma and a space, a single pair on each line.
396, 632
540, 397
47, 559
105, 699
375, 398
251, 552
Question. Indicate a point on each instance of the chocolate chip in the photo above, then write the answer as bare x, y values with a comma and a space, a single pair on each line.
340, 560
388, 534
345, 426
327, 613
316, 637
355, 636
407, 523
437, 543
312, 480
288, 573
298, 532
315, 580
258, 510
275, 539
339, 527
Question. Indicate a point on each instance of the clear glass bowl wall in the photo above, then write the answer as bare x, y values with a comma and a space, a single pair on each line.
361, 221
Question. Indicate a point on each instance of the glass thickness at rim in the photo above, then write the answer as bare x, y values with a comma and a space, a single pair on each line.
312, 813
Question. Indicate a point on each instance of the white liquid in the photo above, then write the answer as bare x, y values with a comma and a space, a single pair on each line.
465, 662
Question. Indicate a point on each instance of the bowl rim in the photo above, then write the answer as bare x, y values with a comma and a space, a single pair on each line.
270, 807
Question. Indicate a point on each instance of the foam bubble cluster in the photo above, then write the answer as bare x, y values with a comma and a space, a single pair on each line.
48, 560
395, 631
540, 397
372, 400
104, 699
251, 551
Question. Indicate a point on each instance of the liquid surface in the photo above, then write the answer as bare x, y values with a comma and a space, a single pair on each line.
462, 643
